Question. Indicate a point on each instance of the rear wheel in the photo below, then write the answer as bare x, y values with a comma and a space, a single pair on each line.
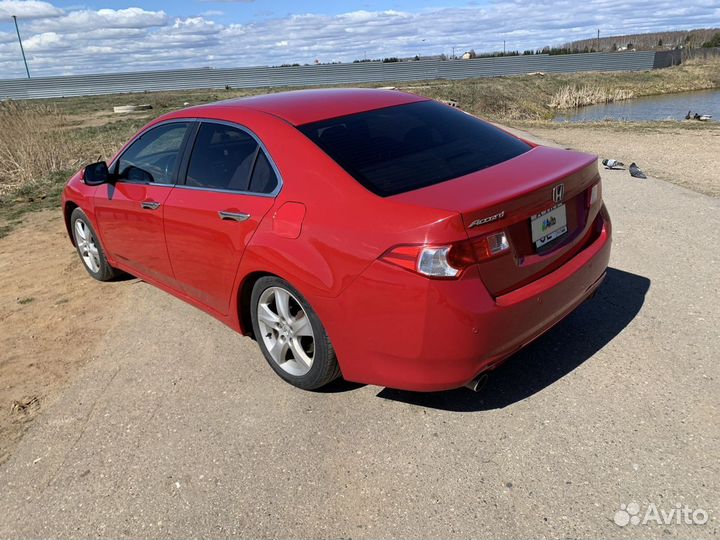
291, 336
89, 248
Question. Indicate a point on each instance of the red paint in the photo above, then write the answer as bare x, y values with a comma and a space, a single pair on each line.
325, 234
287, 221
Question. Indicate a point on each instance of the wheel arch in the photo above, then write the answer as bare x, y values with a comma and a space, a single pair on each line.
243, 300
68, 209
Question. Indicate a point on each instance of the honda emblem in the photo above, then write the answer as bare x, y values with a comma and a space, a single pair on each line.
558, 193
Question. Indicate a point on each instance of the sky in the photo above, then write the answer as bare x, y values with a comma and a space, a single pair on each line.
68, 37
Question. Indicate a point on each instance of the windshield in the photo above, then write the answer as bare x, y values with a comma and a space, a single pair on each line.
406, 147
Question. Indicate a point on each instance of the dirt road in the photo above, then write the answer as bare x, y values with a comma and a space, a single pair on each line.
175, 426
51, 319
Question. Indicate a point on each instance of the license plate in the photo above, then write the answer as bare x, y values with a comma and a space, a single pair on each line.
548, 225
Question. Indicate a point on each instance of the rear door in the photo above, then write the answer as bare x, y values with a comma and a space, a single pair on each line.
229, 185
129, 211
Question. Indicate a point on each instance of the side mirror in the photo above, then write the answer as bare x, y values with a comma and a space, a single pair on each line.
136, 174
96, 174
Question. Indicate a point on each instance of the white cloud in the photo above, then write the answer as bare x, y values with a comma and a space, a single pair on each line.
46, 42
137, 39
103, 18
27, 9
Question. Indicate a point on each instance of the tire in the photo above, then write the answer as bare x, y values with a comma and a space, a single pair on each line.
92, 254
291, 336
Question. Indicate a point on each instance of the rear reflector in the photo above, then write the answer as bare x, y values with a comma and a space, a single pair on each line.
593, 195
447, 261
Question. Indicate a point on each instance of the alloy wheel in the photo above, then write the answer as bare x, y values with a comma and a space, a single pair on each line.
286, 331
86, 246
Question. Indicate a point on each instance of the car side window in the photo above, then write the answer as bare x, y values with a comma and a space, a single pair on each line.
222, 158
154, 155
264, 179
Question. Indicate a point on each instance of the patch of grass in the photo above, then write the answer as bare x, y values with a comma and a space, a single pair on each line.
34, 142
25, 300
40, 195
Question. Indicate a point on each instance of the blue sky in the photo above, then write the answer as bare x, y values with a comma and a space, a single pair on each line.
66, 36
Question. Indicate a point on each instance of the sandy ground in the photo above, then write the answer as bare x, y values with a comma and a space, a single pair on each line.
51, 316
689, 157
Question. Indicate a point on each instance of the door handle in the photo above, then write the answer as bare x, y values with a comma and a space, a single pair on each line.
150, 205
233, 216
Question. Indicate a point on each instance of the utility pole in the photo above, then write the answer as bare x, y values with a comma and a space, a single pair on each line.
503, 47
22, 50
453, 56
598, 41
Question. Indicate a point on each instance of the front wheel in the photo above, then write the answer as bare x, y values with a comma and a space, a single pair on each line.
89, 248
291, 336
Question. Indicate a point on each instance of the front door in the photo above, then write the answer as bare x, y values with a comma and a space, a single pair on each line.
129, 211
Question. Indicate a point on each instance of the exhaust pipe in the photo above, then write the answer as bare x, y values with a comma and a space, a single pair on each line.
477, 383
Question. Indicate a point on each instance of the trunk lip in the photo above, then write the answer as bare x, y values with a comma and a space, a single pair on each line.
430, 196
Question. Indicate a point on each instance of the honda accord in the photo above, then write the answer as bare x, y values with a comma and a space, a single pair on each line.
373, 234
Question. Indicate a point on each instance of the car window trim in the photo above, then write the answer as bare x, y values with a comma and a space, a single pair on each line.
182, 177
183, 147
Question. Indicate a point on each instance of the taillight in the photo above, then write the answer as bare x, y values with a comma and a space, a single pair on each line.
447, 261
593, 195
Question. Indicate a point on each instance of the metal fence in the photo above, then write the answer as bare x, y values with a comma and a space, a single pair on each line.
331, 74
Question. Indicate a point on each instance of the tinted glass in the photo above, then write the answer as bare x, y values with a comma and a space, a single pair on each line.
153, 157
406, 147
264, 179
222, 158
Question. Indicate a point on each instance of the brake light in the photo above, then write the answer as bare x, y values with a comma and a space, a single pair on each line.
447, 261
593, 195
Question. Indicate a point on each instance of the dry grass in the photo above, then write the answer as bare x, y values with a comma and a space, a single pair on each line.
33, 144
570, 97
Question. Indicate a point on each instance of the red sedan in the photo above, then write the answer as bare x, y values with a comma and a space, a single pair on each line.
374, 234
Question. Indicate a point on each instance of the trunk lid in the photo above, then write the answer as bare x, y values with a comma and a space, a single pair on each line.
505, 197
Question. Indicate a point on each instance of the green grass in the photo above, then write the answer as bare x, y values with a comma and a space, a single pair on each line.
26, 300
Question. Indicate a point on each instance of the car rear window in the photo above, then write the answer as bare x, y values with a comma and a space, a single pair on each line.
407, 147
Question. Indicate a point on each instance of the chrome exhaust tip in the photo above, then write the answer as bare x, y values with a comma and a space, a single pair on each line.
477, 383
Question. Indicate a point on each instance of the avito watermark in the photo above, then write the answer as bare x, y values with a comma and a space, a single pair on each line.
632, 514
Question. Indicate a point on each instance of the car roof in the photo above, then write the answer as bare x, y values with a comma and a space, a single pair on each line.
306, 106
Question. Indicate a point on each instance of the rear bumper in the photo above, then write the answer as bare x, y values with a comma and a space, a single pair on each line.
394, 328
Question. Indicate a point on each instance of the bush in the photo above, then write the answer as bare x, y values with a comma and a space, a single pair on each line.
713, 42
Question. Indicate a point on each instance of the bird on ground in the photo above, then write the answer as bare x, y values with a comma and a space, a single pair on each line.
613, 164
688, 116
635, 171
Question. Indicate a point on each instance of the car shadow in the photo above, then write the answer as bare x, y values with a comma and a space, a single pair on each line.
577, 338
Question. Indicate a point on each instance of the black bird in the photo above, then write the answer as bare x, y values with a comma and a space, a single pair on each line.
635, 171
688, 116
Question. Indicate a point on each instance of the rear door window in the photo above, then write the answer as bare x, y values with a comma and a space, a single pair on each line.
264, 180
406, 147
222, 158
230, 159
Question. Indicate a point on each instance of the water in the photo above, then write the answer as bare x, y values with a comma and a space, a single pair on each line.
667, 107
